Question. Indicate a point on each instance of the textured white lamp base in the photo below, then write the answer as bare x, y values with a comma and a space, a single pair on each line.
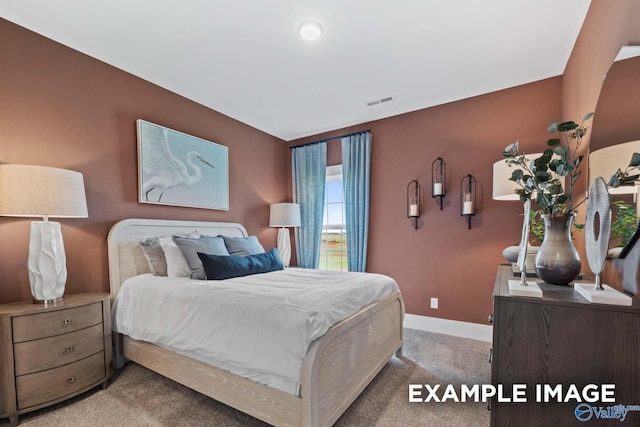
530, 290
47, 262
608, 295
284, 246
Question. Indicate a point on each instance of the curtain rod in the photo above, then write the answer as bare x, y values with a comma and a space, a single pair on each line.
329, 139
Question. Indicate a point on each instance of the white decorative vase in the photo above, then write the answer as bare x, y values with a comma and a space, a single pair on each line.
47, 262
284, 246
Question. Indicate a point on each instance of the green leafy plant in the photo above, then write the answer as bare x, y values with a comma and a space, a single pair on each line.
542, 178
625, 223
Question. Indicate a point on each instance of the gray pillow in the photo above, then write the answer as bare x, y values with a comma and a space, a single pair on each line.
243, 246
155, 256
206, 245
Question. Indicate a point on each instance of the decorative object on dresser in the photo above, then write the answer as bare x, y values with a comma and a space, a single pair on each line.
468, 189
559, 340
284, 215
52, 353
439, 179
522, 287
413, 201
181, 170
557, 261
505, 190
40, 191
597, 233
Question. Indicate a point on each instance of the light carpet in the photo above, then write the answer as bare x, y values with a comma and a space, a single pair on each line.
137, 397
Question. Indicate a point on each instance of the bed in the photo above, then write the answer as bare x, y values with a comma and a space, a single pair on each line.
335, 369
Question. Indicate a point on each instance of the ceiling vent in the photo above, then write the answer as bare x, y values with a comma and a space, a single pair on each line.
380, 101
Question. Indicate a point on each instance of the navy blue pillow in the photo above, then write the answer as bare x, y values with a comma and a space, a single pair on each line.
226, 267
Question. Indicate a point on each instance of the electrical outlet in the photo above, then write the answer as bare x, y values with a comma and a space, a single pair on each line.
434, 303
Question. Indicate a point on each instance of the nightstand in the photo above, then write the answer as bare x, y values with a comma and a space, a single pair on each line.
52, 353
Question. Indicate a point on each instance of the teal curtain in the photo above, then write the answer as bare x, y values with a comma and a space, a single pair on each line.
309, 169
356, 171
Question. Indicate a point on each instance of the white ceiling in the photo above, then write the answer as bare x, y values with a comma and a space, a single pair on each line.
244, 58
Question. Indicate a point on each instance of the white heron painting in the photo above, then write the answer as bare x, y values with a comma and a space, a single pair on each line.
179, 169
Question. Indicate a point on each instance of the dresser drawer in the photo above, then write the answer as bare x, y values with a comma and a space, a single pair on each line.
47, 353
42, 325
53, 384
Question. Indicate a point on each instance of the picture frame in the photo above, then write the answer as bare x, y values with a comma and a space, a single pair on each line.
178, 169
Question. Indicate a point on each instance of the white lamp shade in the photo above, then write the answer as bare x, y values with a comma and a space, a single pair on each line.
40, 191
606, 161
503, 188
284, 215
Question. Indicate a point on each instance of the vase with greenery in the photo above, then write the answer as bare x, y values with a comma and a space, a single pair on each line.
549, 180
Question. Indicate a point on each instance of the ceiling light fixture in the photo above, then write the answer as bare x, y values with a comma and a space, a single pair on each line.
310, 30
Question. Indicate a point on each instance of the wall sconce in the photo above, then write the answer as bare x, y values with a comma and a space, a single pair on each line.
439, 179
468, 186
413, 202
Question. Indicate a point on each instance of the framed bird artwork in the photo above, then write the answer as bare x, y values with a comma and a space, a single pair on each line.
181, 170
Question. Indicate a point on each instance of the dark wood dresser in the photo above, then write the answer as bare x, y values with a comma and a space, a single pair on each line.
561, 339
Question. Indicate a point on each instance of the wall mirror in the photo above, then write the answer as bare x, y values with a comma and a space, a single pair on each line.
616, 135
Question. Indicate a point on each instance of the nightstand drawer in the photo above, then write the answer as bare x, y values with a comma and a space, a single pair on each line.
42, 325
46, 386
47, 353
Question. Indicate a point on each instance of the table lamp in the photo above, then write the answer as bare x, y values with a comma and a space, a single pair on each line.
40, 191
284, 215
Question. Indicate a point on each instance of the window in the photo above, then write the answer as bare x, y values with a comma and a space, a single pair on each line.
333, 252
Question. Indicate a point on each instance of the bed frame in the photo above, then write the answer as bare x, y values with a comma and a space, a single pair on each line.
337, 367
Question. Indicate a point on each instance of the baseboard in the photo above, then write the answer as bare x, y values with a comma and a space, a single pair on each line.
456, 328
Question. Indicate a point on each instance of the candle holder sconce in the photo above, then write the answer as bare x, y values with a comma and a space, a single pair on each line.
413, 202
468, 187
439, 179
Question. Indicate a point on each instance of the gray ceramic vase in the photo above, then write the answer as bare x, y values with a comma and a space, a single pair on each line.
557, 261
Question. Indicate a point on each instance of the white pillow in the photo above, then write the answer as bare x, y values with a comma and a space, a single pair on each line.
177, 265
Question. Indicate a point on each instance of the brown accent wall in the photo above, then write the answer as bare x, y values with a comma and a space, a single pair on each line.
442, 258
608, 26
61, 108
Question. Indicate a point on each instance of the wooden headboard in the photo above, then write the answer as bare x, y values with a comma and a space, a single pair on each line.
125, 254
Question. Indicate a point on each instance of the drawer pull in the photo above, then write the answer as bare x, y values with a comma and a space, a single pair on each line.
71, 380
68, 349
67, 321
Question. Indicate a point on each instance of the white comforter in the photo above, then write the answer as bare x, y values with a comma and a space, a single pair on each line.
258, 326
